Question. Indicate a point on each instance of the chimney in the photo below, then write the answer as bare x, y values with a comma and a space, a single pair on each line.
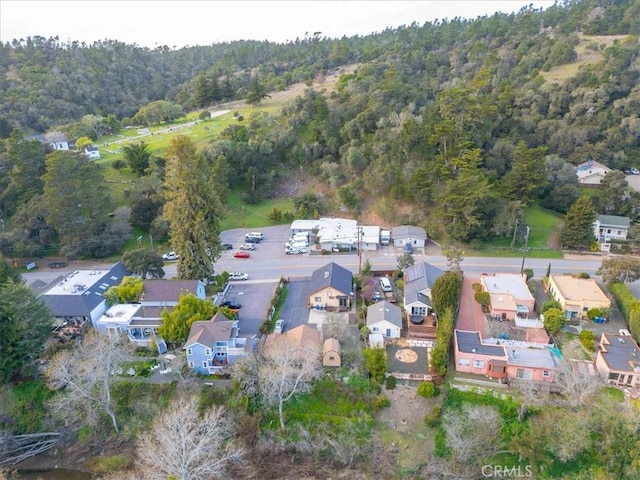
513, 353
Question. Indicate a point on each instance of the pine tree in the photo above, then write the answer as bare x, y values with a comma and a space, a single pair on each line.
193, 209
577, 232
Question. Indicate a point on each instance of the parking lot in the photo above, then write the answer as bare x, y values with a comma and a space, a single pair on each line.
255, 299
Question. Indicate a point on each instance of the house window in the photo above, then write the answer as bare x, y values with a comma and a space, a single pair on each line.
189, 351
478, 364
546, 373
376, 329
207, 351
585, 309
523, 373
343, 302
332, 358
418, 311
619, 232
317, 299
204, 364
190, 364
464, 361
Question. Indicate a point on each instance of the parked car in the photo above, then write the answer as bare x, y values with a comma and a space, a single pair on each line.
408, 248
247, 246
238, 276
635, 171
170, 256
227, 246
258, 236
251, 240
241, 255
231, 305
627, 171
279, 328
295, 251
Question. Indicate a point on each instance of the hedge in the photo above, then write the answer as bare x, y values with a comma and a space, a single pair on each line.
629, 305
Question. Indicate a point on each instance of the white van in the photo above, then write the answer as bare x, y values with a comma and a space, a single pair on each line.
386, 284
295, 245
256, 236
302, 236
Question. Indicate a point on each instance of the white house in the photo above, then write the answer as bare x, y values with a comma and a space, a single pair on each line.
611, 227
59, 145
409, 234
591, 173
385, 318
92, 153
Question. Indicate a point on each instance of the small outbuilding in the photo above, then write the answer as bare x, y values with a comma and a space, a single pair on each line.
331, 353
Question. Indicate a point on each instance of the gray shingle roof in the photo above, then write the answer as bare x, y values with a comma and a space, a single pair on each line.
614, 221
622, 352
208, 332
384, 311
418, 278
334, 276
409, 231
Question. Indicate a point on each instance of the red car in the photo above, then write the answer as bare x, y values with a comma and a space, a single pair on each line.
241, 255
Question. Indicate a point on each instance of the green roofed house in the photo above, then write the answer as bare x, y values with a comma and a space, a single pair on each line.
611, 227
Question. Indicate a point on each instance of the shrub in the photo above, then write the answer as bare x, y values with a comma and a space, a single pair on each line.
483, 298
476, 287
433, 419
428, 390
391, 382
381, 402
204, 115
550, 304
587, 340
529, 273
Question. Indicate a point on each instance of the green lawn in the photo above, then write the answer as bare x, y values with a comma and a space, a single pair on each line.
240, 214
543, 225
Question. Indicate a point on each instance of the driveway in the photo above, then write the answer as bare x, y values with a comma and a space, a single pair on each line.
470, 316
295, 311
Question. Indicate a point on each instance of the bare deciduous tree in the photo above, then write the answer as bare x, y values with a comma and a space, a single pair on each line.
472, 432
85, 372
578, 387
187, 445
280, 370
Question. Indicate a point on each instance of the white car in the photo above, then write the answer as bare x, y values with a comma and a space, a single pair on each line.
295, 251
635, 171
279, 328
247, 246
170, 256
238, 276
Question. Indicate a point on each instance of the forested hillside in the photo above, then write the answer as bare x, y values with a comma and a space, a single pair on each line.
466, 122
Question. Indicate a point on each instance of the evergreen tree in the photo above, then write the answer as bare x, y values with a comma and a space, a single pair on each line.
257, 92
193, 209
526, 179
578, 224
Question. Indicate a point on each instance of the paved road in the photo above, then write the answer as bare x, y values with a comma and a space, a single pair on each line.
269, 262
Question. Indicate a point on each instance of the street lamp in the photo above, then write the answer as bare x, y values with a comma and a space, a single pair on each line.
524, 253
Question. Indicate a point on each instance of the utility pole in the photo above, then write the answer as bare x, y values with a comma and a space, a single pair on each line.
515, 230
359, 250
526, 246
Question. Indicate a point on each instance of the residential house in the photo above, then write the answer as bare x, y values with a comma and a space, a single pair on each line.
591, 173
618, 360
141, 321
505, 359
166, 293
331, 353
577, 295
418, 281
78, 297
409, 234
305, 336
92, 153
385, 318
611, 227
214, 344
62, 146
510, 295
331, 288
